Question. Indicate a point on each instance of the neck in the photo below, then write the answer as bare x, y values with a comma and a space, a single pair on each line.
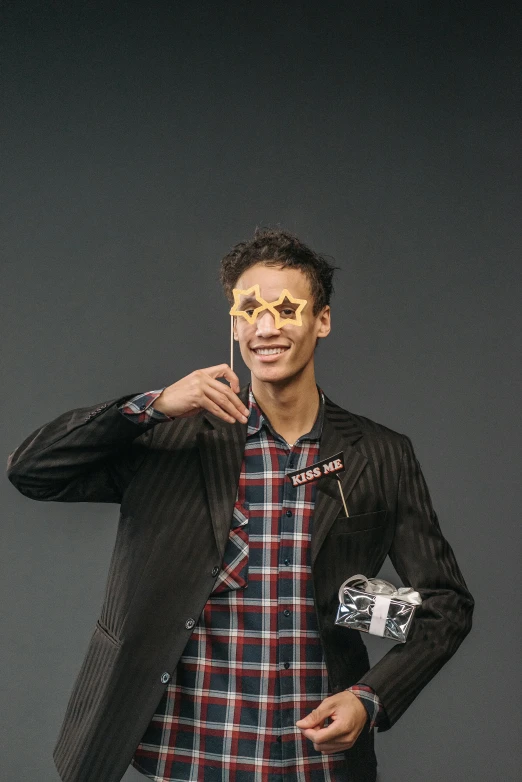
291, 407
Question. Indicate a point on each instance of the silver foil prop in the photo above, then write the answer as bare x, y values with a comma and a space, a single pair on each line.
375, 606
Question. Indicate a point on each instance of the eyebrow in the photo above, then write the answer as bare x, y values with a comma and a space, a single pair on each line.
287, 303
248, 301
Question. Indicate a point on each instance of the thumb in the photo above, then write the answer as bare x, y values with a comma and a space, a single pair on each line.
317, 716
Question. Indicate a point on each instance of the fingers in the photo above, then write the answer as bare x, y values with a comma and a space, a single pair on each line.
223, 370
227, 402
218, 398
202, 391
317, 717
213, 408
325, 735
227, 392
338, 741
339, 735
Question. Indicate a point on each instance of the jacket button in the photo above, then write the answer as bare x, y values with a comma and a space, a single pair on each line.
165, 677
189, 624
215, 570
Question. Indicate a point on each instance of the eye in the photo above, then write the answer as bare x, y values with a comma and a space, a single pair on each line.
288, 312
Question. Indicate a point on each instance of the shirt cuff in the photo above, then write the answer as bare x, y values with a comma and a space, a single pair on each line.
371, 703
139, 409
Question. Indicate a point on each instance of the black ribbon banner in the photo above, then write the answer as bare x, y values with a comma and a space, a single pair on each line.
331, 466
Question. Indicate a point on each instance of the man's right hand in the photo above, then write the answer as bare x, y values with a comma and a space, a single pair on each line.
201, 390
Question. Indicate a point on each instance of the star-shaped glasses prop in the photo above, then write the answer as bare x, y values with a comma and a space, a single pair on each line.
249, 303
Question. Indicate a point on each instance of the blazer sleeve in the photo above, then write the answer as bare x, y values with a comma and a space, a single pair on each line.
89, 454
425, 561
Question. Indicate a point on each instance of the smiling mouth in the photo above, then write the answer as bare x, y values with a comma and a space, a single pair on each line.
268, 351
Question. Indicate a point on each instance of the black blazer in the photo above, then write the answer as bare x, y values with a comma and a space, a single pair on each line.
176, 483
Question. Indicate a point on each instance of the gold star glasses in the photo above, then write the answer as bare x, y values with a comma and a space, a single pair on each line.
249, 304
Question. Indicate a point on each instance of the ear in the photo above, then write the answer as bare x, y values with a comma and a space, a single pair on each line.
324, 322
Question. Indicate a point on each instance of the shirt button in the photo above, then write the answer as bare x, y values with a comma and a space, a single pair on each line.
165, 677
287, 561
286, 612
289, 513
189, 624
278, 739
287, 665
215, 570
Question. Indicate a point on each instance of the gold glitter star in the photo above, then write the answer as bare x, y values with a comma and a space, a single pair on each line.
279, 321
241, 313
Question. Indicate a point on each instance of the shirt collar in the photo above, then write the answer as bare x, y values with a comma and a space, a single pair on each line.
257, 419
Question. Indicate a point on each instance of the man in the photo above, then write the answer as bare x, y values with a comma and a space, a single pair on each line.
216, 655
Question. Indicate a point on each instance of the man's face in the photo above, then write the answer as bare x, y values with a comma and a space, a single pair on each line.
291, 346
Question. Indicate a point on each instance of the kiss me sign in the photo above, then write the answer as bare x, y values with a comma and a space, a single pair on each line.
331, 466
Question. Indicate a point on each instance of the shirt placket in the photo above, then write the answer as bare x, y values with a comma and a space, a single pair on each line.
290, 527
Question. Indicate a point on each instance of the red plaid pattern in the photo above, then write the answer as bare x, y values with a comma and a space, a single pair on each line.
254, 663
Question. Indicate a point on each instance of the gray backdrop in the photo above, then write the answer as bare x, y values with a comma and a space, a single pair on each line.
139, 142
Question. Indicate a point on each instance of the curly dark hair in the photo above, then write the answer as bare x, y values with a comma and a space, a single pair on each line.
275, 247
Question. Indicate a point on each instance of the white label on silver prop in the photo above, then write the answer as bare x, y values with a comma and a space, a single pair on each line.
379, 615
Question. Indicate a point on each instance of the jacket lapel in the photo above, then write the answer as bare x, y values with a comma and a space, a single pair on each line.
340, 431
221, 449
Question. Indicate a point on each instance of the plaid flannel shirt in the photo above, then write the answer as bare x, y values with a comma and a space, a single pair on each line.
254, 664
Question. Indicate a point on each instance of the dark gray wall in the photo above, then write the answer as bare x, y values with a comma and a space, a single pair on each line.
139, 142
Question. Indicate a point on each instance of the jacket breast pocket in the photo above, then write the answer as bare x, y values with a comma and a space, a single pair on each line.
361, 522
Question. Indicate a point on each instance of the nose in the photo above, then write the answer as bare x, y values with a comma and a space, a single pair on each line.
265, 325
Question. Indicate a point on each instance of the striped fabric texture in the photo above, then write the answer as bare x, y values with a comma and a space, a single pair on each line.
254, 664
176, 488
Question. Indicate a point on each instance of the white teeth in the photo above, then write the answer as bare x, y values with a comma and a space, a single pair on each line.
269, 351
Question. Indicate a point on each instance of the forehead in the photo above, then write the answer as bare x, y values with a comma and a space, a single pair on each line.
273, 279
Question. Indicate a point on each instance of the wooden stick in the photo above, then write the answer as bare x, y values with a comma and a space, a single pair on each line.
232, 342
342, 497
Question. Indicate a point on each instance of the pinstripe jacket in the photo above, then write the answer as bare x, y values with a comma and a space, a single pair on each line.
176, 486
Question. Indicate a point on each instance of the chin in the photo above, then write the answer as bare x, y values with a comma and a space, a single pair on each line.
272, 374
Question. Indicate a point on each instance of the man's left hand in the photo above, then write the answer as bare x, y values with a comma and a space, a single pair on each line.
348, 718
